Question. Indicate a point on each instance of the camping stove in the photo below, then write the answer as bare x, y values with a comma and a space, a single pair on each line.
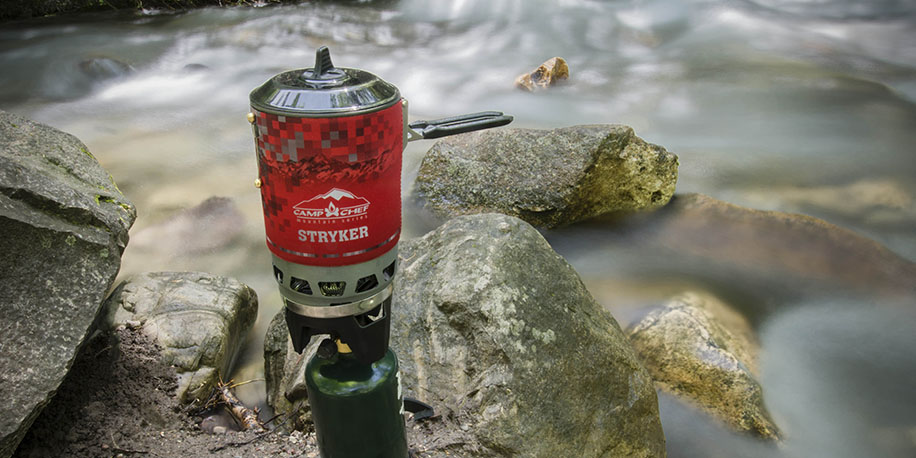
329, 142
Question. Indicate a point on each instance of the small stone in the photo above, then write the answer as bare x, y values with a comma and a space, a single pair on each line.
547, 74
219, 430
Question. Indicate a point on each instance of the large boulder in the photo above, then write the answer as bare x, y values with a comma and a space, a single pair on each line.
494, 328
63, 227
548, 178
699, 348
200, 321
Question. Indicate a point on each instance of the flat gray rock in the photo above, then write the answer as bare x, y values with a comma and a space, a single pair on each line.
200, 320
548, 178
63, 227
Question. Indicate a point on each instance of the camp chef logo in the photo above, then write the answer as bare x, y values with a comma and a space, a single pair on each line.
336, 205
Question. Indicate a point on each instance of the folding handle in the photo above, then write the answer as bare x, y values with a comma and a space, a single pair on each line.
456, 125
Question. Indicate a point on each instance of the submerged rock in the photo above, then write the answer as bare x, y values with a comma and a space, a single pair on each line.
494, 328
200, 321
878, 202
548, 178
547, 74
63, 227
785, 247
212, 224
104, 68
771, 258
698, 348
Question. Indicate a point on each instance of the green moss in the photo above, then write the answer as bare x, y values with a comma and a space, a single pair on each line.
86, 152
71, 240
107, 199
99, 198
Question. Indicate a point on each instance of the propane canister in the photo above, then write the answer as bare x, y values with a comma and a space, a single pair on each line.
357, 408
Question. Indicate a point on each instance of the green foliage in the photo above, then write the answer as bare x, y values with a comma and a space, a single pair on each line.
25, 9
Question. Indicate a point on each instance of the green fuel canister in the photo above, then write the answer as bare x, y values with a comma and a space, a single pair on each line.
357, 408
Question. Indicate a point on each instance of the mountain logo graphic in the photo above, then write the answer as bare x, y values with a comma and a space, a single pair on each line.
335, 204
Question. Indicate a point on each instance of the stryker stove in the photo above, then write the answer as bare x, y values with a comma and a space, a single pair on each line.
329, 143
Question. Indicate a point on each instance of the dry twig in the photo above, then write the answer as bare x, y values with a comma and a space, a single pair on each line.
247, 418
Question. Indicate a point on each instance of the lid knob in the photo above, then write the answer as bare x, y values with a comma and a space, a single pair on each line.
323, 62
323, 71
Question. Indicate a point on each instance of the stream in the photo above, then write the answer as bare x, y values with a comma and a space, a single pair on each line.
805, 106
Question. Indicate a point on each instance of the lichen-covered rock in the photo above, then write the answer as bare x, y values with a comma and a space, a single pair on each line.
200, 321
493, 327
700, 349
548, 178
547, 74
63, 226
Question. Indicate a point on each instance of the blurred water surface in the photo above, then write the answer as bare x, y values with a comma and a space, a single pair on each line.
793, 105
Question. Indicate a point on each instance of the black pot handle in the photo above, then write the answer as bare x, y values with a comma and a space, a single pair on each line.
456, 125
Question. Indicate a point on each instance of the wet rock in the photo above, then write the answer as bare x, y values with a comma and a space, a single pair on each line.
195, 68
700, 349
494, 328
63, 227
212, 224
785, 247
103, 68
884, 202
652, 22
200, 321
772, 258
548, 178
547, 74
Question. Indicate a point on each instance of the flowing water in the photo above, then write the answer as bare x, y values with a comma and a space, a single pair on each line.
793, 105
